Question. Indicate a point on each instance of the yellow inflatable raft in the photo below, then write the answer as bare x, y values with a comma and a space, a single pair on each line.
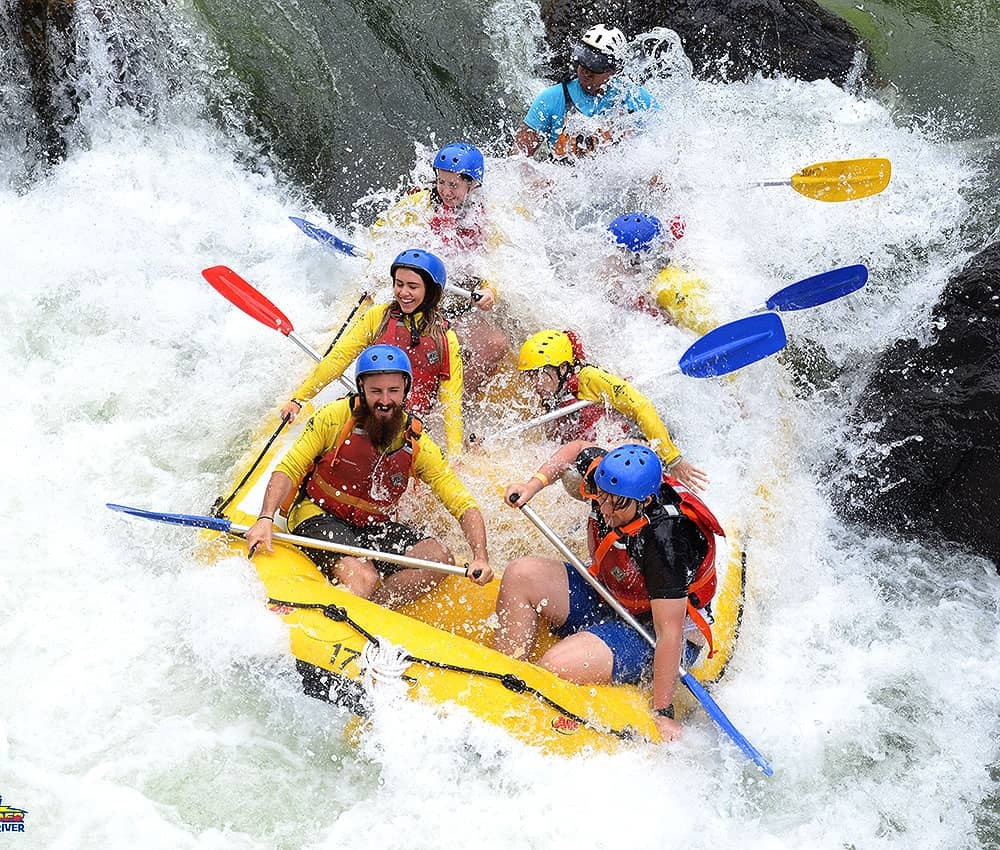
443, 640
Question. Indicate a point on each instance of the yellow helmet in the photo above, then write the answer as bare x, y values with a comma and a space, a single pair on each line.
545, 348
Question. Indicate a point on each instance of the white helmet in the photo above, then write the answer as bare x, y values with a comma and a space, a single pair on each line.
601, 49
606, 39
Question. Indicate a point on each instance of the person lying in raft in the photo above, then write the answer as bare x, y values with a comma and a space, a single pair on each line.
453, 211
412, 321
652, 545
345, 474
557, 366
640, 276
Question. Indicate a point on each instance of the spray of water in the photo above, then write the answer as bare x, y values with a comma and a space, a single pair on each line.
150, 699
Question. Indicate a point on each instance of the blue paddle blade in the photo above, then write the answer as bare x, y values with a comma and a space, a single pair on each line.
733, 346
215, 523
819, 289
724, 723
324, 237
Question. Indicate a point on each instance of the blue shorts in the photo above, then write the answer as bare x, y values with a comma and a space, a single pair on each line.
633, 656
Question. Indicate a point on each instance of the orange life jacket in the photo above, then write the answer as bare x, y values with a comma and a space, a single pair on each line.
431, 364
615, 569
569, 146
357, 483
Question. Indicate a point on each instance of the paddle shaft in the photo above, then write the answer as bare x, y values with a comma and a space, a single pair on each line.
559, 412
305, 346
222, 504
315, 355
462, 292
578, 565
347, 322
356, 551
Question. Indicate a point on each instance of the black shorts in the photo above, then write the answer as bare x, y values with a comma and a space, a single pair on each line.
388, 536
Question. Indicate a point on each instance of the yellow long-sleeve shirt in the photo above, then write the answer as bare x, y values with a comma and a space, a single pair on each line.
320, 436
358, 338
604, 388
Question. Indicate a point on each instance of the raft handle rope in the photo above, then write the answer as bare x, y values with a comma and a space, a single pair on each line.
509, 681
220, 503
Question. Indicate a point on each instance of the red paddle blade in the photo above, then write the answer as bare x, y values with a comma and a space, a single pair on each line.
236, 290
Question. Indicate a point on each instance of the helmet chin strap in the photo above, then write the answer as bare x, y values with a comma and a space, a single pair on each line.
563, 372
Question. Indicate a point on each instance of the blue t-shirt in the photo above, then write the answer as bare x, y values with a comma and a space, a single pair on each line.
547, 113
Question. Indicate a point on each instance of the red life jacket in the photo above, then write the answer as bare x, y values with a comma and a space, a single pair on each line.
582, 424
357, 483
615, 569
430, 364
454, 228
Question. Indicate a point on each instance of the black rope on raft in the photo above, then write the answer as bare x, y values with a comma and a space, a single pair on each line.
220, 503
507, 680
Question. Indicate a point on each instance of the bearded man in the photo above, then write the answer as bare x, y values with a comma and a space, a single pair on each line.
345, 474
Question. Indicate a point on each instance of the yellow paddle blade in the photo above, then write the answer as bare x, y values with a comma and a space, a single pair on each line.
843, 180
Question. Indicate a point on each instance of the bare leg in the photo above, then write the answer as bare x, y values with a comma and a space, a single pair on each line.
531, 587
582, 658
356, 575
403, 587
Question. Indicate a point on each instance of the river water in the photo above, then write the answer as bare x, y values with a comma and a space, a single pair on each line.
151, 701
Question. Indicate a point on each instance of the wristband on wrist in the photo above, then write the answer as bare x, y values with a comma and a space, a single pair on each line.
665, 712
265, 516
541, 476
296, 401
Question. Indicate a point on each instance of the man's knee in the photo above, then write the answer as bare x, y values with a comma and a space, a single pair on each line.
520, 572
581, 658
358, 577
431, 549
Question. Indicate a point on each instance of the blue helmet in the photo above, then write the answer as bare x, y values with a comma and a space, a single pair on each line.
461, 158
632, 471
429, 265
381, 359
636, 231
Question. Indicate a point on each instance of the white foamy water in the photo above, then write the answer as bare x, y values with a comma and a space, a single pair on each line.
150, 700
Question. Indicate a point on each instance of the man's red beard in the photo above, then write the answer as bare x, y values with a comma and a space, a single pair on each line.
382, 430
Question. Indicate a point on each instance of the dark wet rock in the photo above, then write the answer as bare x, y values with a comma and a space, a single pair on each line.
931, 468
45, 30
726, 39
340, 91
